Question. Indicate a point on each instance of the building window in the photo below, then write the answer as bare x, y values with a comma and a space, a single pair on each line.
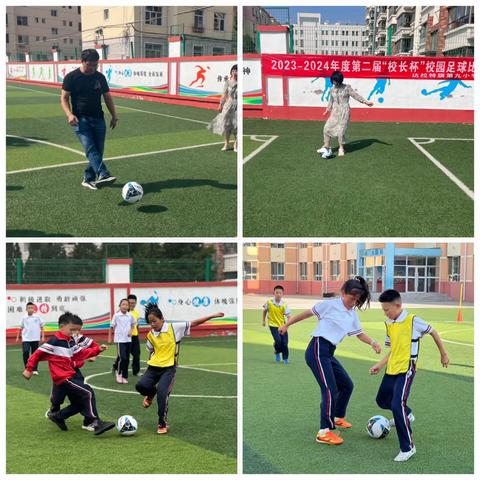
54, 31
303, 270
277, 245
303, 245
197, 50
198, 21
454, 269
351, 268
317, 244
64, 23
334, 269
22, 21
249, 270
79, 26
22, 39
153, 15
36, 20
71, 41
278, 271
8, 38
53, 13
250, 244
70, 24
106, 14
153, 50
218, 51
64, 40
219, 22
317, 271
43, 20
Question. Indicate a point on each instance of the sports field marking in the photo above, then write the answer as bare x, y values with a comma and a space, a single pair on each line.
43, 142
136, 393
265, 144
121, 106
458, 343
188, 367
439, 165
120, 157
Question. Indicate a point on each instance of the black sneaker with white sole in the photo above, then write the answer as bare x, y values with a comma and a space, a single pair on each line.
105, 179
59, 422
101, 427
90, 185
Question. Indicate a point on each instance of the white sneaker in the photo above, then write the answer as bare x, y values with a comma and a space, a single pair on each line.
35, 372
404, 456
90, 428
411, 418
328, 153
46, 413
322, 150
341, 153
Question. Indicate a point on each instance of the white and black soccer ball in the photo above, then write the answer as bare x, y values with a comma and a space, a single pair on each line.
127, 425
378, 427
132, 192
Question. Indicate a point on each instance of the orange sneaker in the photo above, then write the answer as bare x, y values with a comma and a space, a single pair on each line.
330, 438
341, 422
147, 401
162, 430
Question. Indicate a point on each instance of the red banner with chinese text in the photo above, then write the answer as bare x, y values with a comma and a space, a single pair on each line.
427, 68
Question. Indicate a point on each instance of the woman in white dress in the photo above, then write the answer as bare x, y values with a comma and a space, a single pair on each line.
339, 109
225, 123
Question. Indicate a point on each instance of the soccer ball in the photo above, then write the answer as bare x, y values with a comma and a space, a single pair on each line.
127, 425
378, 427
132, 192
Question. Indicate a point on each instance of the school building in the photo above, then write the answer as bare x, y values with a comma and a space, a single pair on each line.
426, 270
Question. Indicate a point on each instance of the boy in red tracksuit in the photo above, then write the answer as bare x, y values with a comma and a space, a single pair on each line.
64, 357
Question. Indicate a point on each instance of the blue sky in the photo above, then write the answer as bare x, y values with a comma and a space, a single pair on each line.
352, 15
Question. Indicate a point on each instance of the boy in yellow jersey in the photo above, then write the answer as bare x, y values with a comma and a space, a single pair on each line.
135, 347
276, 309
404, 331
163, 343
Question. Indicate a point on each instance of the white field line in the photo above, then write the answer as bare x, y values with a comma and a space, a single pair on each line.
50, 144
265, 144
131, 392
445, 170
120, 157
458, 343
432, 140
121, 106
188, 367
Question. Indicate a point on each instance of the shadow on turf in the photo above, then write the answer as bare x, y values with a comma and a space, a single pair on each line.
364, 143
35, 233
155, 187
14, 188
20, 142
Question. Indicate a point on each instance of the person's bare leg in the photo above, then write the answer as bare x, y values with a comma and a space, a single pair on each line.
227, 140
235, 145
341, 149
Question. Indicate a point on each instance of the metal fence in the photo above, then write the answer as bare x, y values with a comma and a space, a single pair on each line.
94, 271
55, 271
151, 270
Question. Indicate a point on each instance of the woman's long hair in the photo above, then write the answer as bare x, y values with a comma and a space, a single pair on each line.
358, 286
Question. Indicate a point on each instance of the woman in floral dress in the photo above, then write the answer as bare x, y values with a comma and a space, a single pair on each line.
225, 123
339, 110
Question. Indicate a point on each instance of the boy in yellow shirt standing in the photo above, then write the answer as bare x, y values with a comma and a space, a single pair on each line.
163, 343
404, 331
276, 309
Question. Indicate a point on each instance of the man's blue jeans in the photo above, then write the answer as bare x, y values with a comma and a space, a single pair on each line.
91, 132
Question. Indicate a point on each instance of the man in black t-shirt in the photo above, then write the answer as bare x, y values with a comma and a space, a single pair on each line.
84, 88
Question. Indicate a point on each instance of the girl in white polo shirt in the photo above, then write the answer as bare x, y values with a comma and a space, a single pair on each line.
122, 324
337, 318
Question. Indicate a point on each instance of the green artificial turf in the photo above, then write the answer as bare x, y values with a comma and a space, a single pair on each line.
281, 403
188, 192
202, 438
383, 186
